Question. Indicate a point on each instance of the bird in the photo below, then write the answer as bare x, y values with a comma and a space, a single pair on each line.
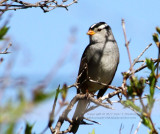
99, 62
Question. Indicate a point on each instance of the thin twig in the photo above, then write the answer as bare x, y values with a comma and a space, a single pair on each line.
143, 66
135, 60
118, 101
131, 128
6, 50
46, 5
145, 60
120, 129
139, 124
110, 95
91, 120
51, 117
155, 85
104, 84
154, 131
143, 106
157, 74
126, 43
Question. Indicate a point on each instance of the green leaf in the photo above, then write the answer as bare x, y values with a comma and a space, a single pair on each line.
28, 129
152, 82
150, 65
129, 103
150, 102
146, 122
155, 37
64, 91
3, 32
93, 132
136, 87
10, 129
158, 29
40, 96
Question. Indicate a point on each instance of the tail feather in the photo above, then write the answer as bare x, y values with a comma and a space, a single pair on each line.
78, 115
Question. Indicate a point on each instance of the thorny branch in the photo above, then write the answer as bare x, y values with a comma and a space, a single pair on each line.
45, 5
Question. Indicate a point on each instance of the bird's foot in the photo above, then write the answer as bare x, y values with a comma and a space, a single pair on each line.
87, 94
110, 102
100, 99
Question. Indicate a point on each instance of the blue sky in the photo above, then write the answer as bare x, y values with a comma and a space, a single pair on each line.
43, 37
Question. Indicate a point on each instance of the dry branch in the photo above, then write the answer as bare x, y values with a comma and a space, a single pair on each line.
6, 50
45, 5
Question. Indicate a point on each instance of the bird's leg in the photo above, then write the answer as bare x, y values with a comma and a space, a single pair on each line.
108, 100
87, 94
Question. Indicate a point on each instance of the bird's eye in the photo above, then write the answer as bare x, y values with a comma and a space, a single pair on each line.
99, 29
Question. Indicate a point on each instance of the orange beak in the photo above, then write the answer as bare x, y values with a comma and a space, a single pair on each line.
90, 32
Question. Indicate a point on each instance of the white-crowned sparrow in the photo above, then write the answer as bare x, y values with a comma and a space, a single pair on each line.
99, 62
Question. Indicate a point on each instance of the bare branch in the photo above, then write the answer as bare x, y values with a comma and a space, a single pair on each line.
139, 124
135, 60
6, 50
131, 128
91, 120
51, 117
64, 117
103, 84
155, 85
126, 42
143, 66
45, 5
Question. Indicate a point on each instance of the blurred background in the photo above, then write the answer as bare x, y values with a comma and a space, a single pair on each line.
46, 51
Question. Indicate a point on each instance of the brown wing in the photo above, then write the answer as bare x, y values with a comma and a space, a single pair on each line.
82, 74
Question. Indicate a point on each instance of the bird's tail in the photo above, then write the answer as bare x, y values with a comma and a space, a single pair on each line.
78, 115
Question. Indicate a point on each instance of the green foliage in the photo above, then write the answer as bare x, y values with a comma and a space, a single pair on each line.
150, 65
158, 29
40, 96
146, 122
28, 128
11, 111
136, 87
3, 32
129, 103
64, 91
155, 37
152, 81
93, 132
10, 129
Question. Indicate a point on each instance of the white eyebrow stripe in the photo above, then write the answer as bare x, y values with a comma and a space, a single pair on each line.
102, 26
92, 25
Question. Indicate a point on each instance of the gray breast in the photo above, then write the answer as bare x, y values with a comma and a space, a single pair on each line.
102, 63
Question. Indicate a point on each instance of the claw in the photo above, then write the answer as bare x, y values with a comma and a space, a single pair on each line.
87, 93
108, 100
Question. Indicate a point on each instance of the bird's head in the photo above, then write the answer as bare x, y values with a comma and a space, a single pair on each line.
100, 32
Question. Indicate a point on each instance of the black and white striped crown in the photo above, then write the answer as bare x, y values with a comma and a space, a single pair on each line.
100, 25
